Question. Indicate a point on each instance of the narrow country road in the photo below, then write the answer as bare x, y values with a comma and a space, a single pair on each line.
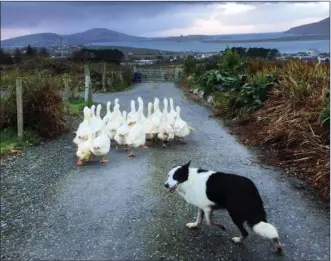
121, 211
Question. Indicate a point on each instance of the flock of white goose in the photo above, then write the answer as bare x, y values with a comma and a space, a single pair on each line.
95, 134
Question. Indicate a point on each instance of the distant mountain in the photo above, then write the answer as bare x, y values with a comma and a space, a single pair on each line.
42, 39
100, 35
96, 35
321, 27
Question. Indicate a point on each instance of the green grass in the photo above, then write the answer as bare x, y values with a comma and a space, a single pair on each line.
11, 143
76, 106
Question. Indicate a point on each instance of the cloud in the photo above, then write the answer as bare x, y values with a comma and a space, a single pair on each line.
157, 18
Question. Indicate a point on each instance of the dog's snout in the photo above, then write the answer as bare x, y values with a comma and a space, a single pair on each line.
166, 185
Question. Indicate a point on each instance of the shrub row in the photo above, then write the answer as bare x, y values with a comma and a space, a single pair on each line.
283, 106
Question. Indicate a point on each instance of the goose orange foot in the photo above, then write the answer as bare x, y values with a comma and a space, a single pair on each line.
79, 162
131, 154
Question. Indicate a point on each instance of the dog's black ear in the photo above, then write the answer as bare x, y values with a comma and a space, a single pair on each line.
187, 165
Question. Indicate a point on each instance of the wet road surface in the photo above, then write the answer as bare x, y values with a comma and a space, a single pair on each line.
121, 211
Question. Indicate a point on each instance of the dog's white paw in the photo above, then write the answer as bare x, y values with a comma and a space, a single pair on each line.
236, 239
191, 225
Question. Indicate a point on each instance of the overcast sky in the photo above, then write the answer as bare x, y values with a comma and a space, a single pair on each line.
157, 18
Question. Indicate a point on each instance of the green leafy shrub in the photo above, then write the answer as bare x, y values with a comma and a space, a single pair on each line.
214, 80
254, 93
230, 60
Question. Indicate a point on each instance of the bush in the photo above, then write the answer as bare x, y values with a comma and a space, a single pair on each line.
230, 61
254, 93
283, 106
43, 110
224, 103
293, 125
190, 64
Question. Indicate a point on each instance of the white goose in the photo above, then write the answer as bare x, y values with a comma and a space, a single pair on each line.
180, 127
136, 137
172, 114
101, 145
157, 115
99, 123
122, 132
141, 107
117, 103
84, 127
83, 152
132, 115
150, 128
115, 123
93, 117
108, 114
166, 132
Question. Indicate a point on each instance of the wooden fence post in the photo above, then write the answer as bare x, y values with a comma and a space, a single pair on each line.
90, 97
66, 95
19, 106
104, 77
112, 80
121, 77
87, 82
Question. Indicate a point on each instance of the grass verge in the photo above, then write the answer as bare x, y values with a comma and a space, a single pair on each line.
12, 144
76, 106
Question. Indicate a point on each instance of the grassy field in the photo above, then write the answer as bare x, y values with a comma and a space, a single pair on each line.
281, 107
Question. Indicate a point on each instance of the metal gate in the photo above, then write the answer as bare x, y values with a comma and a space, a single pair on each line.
159, 74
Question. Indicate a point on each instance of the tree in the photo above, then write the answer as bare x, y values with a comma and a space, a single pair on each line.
230, 60
30, 51
17, 55
106, 55
43, 52
190, 64
273, 53
5, 58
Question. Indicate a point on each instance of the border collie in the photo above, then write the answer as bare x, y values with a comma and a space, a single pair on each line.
209, 190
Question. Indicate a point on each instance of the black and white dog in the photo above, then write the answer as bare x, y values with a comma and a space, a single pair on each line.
209, 190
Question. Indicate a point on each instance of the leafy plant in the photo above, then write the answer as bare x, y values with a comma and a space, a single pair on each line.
254, 93
190, 65
230, 61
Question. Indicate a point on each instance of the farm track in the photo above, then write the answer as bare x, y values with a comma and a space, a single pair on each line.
52, 209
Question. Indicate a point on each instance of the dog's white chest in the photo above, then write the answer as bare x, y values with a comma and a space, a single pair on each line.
195, 194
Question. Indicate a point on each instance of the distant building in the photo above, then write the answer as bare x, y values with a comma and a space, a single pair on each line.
313, 52
324, 59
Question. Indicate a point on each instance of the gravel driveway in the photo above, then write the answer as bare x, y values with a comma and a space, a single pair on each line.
53, 210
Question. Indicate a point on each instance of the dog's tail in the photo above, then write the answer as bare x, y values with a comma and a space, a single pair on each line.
267, 230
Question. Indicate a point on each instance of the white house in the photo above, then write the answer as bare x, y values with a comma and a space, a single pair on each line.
313, 52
